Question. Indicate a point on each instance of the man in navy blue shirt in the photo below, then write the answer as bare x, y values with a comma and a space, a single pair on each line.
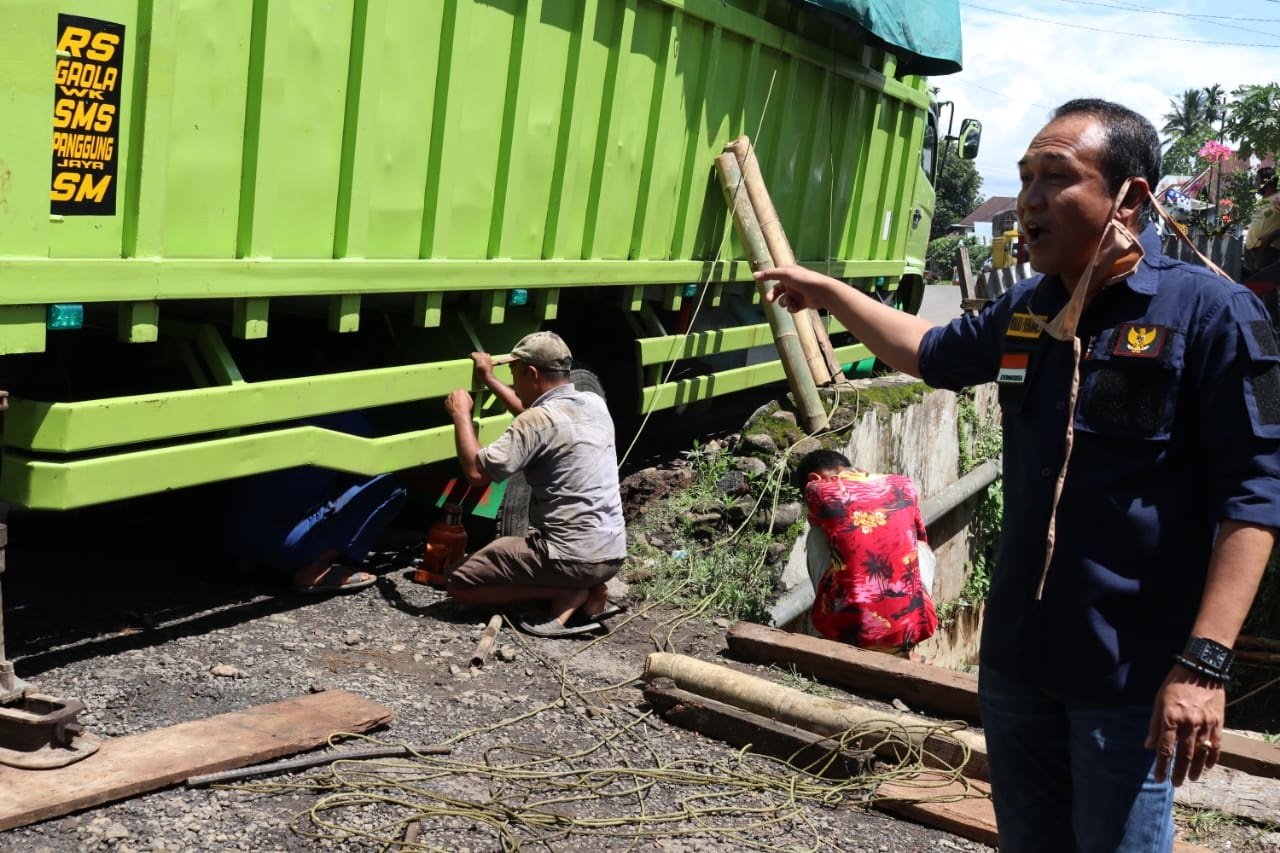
1141, 409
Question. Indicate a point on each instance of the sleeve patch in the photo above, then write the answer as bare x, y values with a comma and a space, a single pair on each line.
1266, 393
1262, 377
1264, 337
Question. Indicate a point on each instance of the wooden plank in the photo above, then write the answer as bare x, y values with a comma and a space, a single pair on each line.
964, 273
937, 691
134, 764
968, 814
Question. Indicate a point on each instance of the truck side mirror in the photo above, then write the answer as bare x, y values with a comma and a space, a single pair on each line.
970, 137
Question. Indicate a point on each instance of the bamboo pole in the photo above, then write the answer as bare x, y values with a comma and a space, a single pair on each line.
894, 730
780, 321
812, 335
484, 648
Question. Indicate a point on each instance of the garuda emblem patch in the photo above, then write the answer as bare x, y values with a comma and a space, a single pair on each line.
1140, 340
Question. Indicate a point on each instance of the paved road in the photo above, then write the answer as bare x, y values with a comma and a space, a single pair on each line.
941, 303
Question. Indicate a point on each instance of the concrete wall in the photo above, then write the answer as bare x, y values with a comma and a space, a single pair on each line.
920, 440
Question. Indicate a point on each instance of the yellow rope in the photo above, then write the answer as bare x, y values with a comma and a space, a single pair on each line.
538, 795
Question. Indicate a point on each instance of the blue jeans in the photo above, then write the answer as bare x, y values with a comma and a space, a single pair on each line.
278, 523
1071, 775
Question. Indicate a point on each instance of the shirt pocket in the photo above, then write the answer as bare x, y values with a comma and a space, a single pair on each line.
1128, 395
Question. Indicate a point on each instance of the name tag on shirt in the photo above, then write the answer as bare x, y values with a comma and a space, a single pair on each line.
1013, 368
1025, 326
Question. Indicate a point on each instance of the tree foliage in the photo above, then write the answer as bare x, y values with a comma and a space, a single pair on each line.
1182, 156
957, 188
1253, 119
940, 257
1190, 114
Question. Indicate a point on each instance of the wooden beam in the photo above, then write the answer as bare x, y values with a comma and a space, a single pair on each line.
1250, 755
134, 764
964, 273
930, 689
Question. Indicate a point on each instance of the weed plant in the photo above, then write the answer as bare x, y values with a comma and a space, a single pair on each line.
980, 440
723, 567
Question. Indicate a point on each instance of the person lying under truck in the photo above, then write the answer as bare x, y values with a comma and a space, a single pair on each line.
314, 524
563, 441
873, 590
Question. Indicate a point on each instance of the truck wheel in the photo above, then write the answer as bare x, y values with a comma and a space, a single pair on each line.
513, 514
910, 294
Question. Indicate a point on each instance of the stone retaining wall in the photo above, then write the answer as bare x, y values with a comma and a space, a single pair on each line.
920, 438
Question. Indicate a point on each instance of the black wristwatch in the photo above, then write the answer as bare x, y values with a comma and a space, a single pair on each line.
1206, 657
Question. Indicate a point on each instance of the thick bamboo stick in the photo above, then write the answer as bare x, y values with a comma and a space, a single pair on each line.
484, 648
818, 352
784, 328
894, 733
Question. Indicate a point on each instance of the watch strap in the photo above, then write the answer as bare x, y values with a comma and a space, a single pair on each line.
1207, 657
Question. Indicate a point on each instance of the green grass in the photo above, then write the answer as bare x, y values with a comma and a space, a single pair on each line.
730, 572
797, 681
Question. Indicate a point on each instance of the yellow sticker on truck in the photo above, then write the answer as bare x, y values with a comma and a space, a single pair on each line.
87, 79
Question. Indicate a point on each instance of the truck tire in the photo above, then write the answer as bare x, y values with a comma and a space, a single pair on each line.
513, 514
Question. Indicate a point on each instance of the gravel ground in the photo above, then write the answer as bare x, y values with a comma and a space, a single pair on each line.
167, 634
139, 617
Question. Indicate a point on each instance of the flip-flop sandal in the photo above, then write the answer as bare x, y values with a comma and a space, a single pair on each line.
611, 610
552, 629
338, 578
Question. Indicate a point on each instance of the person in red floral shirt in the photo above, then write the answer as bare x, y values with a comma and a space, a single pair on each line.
872, 594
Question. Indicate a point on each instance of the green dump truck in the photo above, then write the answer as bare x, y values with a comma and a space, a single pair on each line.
257, 212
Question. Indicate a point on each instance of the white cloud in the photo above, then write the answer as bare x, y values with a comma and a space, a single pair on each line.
1024, 60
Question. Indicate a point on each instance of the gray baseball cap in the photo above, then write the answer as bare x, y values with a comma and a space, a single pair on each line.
541, 349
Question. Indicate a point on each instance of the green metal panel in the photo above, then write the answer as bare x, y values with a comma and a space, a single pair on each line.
22, 328
670, 394
194, 128
672, 347
300, 118
40, 484
249, 318
91, 425
449, 151
139, 322
111, 280
460, 129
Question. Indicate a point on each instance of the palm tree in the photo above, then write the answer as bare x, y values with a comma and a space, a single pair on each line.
1215, 105
1187, 116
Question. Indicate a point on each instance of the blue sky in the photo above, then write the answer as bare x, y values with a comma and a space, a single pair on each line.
1023, 59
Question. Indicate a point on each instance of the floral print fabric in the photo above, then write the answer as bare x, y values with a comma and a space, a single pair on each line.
871, 595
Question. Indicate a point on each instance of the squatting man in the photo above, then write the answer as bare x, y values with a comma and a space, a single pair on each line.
562, 439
